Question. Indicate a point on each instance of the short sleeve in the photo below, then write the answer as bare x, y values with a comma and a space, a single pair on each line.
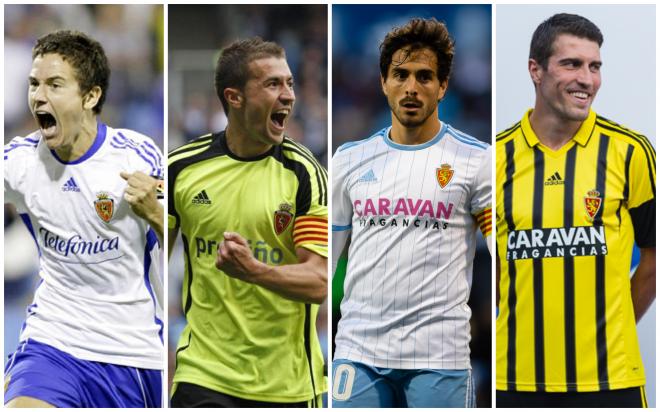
310, 230
641, 198
342, 207
15, 170
480, 204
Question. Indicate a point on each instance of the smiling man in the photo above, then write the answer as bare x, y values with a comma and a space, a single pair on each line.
575, 191
410, 200
251, 206
88, 194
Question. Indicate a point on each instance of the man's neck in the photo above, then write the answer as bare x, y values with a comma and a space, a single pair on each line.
414, 135
241, 144
552, 132
81, 143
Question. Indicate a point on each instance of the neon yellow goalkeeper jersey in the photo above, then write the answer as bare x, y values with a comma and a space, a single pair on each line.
241, 339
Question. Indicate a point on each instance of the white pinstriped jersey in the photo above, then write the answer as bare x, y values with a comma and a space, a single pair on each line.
412, 214
100, 292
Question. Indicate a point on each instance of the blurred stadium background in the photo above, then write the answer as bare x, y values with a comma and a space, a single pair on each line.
196, 35
132, 36
359, 109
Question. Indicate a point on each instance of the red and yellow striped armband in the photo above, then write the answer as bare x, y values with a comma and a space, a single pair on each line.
310, 229
485, 221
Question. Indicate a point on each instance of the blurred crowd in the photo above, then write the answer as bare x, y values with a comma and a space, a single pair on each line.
194, 108
132, 36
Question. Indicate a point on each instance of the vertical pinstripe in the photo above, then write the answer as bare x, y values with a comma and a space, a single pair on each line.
569, 275
537, 223
508, 210
601, 319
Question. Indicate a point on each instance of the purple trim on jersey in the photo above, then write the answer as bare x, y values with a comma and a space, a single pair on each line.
152, 240
127, 144
98, 142
28, 223
146, 147
11, 146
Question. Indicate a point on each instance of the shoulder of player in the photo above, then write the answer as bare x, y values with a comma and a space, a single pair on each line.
21, 146
296, 151
466, 140
348, 147
190, 149
619, 132
137, 148
508, 134
134, 141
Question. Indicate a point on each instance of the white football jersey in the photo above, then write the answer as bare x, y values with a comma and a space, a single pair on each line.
412, 216
100, 294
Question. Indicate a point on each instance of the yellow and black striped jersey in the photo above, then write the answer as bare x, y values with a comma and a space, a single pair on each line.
241, 339
566, 224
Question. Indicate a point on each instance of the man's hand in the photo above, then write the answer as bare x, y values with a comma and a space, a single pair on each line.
141, 196
235, 258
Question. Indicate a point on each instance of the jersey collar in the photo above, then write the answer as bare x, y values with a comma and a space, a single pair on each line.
388, 140
581, 137
98, 142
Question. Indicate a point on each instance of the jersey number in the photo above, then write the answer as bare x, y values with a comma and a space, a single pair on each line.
342, 385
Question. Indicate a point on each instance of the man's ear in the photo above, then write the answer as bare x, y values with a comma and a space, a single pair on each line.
234, 97
535, 71
91, 98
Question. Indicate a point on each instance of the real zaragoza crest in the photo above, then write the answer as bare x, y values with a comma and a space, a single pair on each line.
592, 202
283, 217
444, 174
105, 206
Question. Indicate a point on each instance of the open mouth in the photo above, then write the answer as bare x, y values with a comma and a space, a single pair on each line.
47, 121
278, 118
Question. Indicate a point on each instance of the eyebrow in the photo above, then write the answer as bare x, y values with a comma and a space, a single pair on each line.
578, 60
50, 79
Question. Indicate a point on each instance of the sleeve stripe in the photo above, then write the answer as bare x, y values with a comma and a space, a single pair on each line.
310, 225
310, 232
311, 239
311, 219
485, 221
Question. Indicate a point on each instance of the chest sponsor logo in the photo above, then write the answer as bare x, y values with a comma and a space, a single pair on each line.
556, 242
444, 175
105, 206
283, 217
592, 203
76, 245
261, 250
403, 212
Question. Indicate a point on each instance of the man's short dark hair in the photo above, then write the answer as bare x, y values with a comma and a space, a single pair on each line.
232, 68
547, 32
84, 54
415, 35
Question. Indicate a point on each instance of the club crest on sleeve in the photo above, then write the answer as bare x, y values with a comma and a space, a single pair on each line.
444, 174
105, 206
283, 218
592, 203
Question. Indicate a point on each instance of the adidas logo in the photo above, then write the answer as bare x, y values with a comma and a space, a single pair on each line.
555, 179
201, 199
368, 177
70, 186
